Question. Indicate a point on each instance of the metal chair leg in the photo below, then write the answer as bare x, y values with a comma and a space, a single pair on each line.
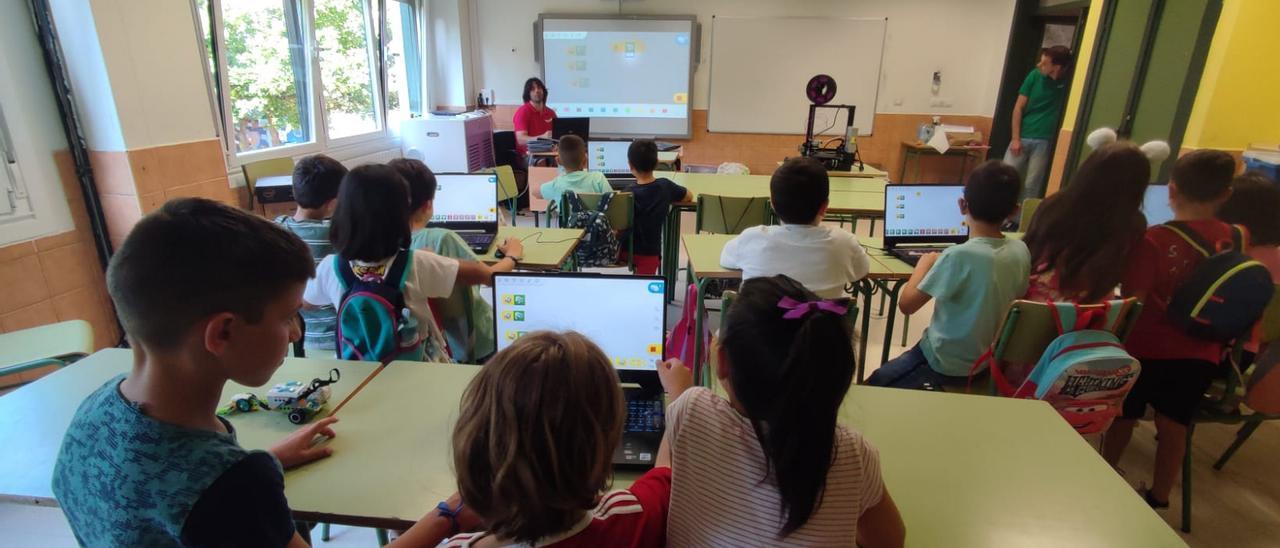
1186, 482
906, 326
1242, 435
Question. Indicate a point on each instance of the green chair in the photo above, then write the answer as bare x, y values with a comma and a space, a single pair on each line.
1029, 327
57, 344
264, 168
729, 214
1029, 207
1227, 401
621, 217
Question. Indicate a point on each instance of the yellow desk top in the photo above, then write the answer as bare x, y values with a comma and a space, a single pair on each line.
704, 254
848, 195
964, 470
71, 337
868, 172
544, 248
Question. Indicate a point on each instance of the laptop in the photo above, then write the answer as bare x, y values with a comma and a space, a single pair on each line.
571, 126
1155, 205
624, 315
922, 219
467, 205
610, 158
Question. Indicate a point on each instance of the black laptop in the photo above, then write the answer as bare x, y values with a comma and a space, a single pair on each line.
610, 158
467, 204
922, 219
571, 126
526, 302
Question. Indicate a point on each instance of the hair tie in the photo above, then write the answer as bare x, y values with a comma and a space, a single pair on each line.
796, 309
1155, 151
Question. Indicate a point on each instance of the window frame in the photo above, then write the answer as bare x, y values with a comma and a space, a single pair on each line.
375, 28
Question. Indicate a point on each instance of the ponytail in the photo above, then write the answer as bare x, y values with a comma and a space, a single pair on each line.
791, 375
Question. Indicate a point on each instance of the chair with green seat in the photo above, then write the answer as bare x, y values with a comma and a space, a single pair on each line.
1248, 396
1029, 327
621, 216
1029, 207
508, 190
264, 168
57, 344
731, 214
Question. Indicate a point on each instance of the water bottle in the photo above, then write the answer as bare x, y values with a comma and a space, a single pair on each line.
407, 331
925, 132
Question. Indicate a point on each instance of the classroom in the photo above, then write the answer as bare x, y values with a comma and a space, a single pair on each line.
639, 273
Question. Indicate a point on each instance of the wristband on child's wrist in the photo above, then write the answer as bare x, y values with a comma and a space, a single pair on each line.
451, 514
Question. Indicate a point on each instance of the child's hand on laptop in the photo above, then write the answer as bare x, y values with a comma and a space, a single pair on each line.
513, 247
675, 377
926, 261
301, 447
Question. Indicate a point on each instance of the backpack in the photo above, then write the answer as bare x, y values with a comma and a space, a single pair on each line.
599, 245
373, 322
1085, 373
1225, 294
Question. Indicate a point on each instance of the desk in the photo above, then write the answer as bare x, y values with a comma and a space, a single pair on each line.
849, 199
867, 172
915, 149
53, 344
544, 248
963, 470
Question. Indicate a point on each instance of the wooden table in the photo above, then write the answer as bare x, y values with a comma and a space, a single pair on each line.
867, 172
963, 470
544, 248
916, 149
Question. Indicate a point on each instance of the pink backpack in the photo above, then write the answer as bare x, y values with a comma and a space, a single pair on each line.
682, 339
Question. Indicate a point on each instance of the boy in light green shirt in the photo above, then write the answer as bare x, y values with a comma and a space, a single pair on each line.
573, 158
972, 284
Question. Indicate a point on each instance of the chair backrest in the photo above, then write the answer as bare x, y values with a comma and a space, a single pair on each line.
621, 208
730, 214
1029, 207
504, 148
507, 188
266, 168
1029, 327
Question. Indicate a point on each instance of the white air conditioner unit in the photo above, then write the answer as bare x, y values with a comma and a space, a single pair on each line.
462, 143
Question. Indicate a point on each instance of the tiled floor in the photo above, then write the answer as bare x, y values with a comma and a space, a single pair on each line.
1237, 507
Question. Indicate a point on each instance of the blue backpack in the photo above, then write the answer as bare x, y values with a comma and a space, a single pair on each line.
1085, 373
374, 324
1226, 293
599, 245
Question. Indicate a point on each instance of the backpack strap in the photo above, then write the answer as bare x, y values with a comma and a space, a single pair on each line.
605, 199
1190, 236
346, 276
1240, 238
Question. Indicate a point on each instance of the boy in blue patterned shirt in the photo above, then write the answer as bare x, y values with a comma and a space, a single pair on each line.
315, 188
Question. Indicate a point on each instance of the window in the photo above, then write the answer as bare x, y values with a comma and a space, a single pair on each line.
304, 75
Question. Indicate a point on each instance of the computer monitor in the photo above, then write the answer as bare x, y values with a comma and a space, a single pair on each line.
923, 214
1155, 205
624, 315
609, 157
465, 201
571, 126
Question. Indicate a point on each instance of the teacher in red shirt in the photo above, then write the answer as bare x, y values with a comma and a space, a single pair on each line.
533, 118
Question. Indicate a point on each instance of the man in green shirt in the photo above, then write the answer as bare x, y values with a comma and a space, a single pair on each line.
1035, 119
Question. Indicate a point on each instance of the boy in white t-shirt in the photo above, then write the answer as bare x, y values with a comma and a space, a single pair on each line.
823, 258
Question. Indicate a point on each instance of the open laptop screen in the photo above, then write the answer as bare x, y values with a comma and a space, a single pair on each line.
624, 315
608, 157
1155, 205
923, 213
464, 201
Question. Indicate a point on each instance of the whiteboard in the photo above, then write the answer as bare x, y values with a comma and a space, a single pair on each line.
760, 65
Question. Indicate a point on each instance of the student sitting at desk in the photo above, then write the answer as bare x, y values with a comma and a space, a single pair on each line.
533, 449
653, 199
1084, 262
576, 177
823, 258
772, 465
315, 189
470, 336
146, 461
971, 284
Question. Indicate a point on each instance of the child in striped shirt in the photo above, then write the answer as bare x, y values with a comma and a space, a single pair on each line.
771, 466
315, 189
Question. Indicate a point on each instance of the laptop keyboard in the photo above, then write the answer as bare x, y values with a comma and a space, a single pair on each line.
911, 255
644, 416
477, 240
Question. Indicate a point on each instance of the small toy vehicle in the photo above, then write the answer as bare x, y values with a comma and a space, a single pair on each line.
243, 402
302, 401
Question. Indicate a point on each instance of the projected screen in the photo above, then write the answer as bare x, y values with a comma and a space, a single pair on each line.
609, 157
630, 76
1155, 205
465, 198
924, 210
590, 305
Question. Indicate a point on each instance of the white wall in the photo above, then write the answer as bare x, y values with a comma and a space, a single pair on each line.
95, 103
965, 39
450, 39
